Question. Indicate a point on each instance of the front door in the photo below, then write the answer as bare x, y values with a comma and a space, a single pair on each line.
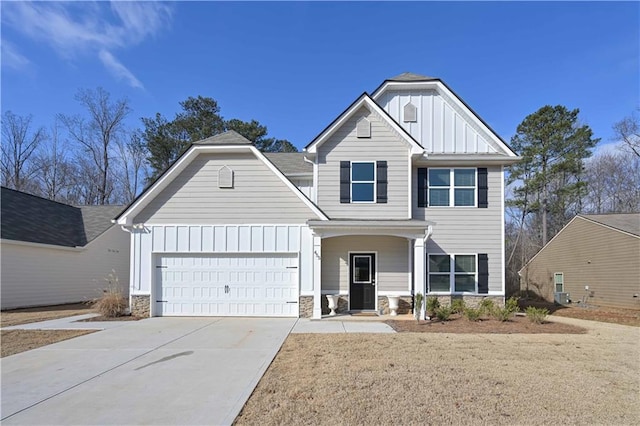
362, 281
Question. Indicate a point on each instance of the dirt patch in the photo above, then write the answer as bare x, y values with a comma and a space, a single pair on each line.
418, 378
43, 313
103, 318
590, 312
517, 325
16, 341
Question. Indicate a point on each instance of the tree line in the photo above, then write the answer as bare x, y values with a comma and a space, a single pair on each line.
95, 158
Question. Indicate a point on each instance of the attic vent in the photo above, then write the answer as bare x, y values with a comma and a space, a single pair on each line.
363, 128
410, 113
225, 177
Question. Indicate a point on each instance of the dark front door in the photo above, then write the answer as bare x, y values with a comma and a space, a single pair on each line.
362, 281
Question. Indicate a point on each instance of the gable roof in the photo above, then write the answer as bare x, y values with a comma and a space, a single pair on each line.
366, 101
33, 219
290, 163
409, 76
626, 222
229, 141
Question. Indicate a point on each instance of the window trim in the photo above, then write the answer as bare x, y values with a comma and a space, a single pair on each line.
374, 182
555, 284
452, 274
452, 187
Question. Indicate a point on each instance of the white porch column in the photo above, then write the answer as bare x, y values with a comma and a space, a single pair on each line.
317, 277
419, 268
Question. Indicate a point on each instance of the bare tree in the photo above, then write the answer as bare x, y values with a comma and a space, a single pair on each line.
627, 130
19, 142
96, 135
132, 164
613, 182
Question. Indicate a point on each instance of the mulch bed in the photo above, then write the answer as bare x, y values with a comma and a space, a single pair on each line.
457, 324
122, 318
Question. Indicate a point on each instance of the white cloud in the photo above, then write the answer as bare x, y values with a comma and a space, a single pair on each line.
118, 70
79, 28
11, 57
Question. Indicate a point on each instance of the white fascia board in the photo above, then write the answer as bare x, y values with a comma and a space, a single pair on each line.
443, 89
289, 184
469, 159
43, 246
370, 104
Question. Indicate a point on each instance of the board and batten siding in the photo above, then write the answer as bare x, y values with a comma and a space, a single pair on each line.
38, 275
257, 196
212, 239
468, 230
588, 254
441, 127
393, 267
383, 145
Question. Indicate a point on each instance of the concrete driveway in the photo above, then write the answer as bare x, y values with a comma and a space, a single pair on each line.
188, 371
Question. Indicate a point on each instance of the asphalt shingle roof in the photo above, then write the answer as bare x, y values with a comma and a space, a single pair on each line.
29, 218
290, 163
627, 222
409, 76
229, 137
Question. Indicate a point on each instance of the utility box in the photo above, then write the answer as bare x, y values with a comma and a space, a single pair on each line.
562, 298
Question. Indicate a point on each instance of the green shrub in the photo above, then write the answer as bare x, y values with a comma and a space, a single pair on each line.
418, 300
443, 313
537, 315
502, 314
432, 304
472, 314
487, 307
512, 304
112, 303
457, 306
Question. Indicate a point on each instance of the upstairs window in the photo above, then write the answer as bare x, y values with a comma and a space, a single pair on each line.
363, 182
452, 187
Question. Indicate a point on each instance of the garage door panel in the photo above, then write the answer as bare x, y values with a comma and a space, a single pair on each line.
228, 285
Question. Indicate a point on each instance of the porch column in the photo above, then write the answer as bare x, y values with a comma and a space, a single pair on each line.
419, 266
317, 277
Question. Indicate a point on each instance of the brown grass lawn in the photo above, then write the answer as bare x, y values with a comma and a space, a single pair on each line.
440, 378
16, 341
43, 313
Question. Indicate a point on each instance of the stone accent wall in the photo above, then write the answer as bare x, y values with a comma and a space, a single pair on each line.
140, 305
405, 305
306, 306
470, 301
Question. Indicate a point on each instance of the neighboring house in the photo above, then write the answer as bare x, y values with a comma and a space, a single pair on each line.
54, 253
594, 259
402, 193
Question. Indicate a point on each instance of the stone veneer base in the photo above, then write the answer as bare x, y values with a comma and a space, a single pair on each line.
140, 305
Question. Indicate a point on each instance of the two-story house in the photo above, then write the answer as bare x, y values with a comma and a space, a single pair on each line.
402, 193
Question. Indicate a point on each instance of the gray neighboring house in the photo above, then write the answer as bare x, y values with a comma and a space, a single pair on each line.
54, 253
402, 193
593, 259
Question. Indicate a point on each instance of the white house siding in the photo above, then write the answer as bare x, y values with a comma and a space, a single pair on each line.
37, 275
393, 266
469, 230
202, 239
305, 185
441, 125
257, 196
343, 145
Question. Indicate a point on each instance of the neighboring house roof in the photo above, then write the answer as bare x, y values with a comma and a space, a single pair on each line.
230, 137
33, 219
627, 222
290, 163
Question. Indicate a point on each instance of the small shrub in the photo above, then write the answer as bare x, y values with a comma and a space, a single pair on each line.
502, 314
419, 298
487, 306
537, 315
443, 313
432, 305
512, 305
472, 314
112, 303
457, 306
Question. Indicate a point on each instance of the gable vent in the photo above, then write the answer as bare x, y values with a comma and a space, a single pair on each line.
363, 128
225, 177
410, 113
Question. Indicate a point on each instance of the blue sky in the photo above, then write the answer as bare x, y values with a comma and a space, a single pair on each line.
294, 66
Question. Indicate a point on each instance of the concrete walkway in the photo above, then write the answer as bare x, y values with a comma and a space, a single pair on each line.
341, 326
160, 371
70, 323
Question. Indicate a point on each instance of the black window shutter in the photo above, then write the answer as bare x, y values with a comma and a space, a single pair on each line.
422, 187
345, 182
483, 188
381, 184
483, 273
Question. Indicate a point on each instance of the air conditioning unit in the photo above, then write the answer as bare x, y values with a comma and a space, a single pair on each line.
562, 298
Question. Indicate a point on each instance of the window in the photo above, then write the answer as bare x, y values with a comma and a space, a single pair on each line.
363, 182
558, 280
452, 271
452, 187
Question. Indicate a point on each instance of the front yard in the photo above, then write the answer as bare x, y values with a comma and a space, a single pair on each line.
427, 378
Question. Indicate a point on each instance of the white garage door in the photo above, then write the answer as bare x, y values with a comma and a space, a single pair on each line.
227, 285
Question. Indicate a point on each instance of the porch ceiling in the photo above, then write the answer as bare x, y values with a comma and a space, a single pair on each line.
412, 229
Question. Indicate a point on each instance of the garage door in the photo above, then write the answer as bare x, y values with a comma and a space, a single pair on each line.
227, 285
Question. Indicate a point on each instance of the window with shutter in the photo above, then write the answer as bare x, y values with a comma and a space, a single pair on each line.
381, 182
